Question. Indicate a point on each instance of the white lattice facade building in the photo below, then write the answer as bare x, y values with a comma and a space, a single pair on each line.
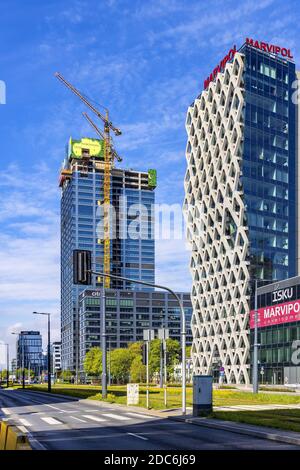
217, 228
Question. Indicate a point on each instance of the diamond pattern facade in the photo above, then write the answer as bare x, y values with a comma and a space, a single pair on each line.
217, 228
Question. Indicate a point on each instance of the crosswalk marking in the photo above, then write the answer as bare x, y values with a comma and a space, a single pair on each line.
6, 411
55, 408
90, 411
23, 429
78, 419
119, 417
93, 418
137, 415
24, 422
50, 420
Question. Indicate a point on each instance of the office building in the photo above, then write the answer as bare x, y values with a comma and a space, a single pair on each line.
29, 351
127, 314
131, 244
240, 198
56, 357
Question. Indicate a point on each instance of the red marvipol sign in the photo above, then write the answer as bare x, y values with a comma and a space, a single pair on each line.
220, 67
271, 48
276, 314
263, 46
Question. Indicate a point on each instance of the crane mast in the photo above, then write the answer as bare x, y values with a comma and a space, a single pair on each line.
109, 155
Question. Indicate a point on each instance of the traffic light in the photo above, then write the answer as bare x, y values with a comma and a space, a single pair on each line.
144, 354
82, 265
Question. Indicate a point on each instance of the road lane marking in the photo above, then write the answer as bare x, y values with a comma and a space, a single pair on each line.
137, 415
24, 422
6, 411
136, 435
94, 418
78, 419
55, 408
50, 420
119, 417
90, 411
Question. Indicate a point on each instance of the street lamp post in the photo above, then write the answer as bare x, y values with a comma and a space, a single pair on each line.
255, 343
23, 358
7, 363
183, 326
49, 352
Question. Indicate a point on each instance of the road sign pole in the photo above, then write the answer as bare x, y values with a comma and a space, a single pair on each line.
255, 349
165, 370
147, 373
104, 375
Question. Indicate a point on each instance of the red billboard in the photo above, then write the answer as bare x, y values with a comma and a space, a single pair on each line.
277, 314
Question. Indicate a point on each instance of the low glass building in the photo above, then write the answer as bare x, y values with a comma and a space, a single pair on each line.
128, 313
30, 351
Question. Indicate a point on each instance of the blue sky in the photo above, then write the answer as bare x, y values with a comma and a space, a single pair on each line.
146, 61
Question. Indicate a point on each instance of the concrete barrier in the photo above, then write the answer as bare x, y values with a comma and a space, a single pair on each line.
11, 438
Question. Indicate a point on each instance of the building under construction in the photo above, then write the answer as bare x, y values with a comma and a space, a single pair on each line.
131, 253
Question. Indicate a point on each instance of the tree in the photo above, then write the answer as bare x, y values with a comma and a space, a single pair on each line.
136, 348
188, 352
173, 354
120, 364
66, 375
3, 374
137, 370
92, 363
19, 373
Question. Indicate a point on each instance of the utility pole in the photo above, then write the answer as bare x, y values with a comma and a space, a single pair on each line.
7, 360
109, 362
165, 371
255, 380
161, 357
49, 348
103, 335
23, 362
23, 355
148, 336
255, 345
163, 335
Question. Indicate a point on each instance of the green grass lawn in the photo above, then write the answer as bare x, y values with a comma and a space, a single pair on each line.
280, 419
117, 394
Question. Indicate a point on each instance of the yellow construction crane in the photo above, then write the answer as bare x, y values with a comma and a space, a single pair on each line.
109, 155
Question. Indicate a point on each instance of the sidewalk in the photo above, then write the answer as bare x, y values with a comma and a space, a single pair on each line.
262, 432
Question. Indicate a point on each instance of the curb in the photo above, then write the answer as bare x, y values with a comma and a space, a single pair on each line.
228, 426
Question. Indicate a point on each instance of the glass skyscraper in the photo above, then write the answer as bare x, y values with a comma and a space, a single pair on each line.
132, 231
240, 201
30, 351
269, 164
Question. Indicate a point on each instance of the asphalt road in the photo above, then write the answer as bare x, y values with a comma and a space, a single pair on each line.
56, 423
